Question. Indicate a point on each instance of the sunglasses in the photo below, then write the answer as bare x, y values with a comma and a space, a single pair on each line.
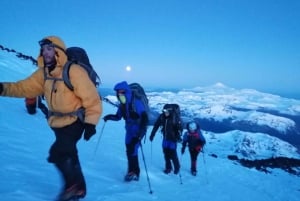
121, 92
166, 110
48, 42
45, 42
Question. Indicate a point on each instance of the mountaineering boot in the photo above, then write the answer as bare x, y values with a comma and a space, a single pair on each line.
176, 163
167, 170
176, 171
136, 168
66, 170
194, 172
79, 178
168, 166
72, 193
131, 176
75, 186
193, 168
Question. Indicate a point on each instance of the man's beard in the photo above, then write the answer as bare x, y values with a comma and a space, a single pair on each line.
50, 65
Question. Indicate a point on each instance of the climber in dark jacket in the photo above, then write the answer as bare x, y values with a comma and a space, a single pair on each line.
136, 120
171, 131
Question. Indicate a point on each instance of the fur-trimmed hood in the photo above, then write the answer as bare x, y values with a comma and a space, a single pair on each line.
60, 48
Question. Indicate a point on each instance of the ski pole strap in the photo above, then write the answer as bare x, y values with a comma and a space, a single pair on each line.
79, 113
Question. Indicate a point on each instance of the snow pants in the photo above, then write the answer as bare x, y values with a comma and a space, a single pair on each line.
193, 155
132, 157
170, 155
63, 153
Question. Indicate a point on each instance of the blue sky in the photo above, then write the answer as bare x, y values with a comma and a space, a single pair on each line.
169, 43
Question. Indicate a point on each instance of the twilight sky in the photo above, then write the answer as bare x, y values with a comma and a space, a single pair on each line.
169, 43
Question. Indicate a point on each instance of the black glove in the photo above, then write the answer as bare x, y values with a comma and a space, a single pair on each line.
182, 150
1, 88
107, 117
141, 133
151, 138
135, 140
89, 131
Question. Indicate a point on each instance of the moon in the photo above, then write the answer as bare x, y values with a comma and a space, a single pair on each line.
128, 68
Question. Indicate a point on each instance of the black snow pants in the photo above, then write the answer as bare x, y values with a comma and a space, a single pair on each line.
63, 153
193, 155
171, 155
132, 157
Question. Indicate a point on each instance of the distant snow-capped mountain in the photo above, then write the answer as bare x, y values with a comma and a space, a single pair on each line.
247, 145
219, 109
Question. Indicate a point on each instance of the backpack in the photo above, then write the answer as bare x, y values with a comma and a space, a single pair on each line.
174, 109
79, 56
139, 93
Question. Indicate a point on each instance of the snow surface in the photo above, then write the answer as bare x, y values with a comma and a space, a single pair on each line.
25, 174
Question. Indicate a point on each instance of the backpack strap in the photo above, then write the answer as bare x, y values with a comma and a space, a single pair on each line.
46, 77
65, 75
79, 113
66, 71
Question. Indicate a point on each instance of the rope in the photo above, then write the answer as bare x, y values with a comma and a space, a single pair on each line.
19, 54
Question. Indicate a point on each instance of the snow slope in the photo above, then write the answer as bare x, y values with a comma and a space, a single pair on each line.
26, 175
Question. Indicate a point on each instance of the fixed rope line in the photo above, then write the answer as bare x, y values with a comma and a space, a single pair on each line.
19, 54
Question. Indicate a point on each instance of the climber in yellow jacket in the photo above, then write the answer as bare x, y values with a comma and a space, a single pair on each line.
68, 128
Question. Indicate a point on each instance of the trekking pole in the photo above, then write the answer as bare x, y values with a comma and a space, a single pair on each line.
180, 178
151, 153
99, 139
148, 180
204, 164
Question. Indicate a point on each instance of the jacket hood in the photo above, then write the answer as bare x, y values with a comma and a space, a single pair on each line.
60, 48
195, 124
124, 86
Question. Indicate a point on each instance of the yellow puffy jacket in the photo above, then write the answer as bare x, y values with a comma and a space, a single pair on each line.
58, 96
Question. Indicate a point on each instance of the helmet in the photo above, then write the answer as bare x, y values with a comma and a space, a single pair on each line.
192, 126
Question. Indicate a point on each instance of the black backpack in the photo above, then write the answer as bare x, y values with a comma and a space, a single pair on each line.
79, 56
139, 93
174, 110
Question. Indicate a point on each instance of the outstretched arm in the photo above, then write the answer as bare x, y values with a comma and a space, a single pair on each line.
155, 127
113, 117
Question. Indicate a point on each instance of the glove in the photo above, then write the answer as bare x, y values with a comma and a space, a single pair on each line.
135, 140
1, 88
198, 148
151, 138
89, 131
179, 139
106, 117
182, 150
141, 133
